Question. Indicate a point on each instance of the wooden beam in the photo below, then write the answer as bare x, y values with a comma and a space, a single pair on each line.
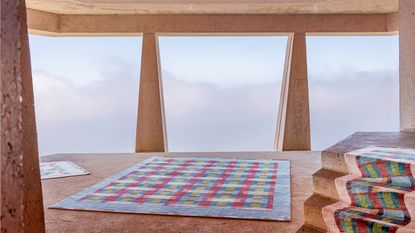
407, 64
393, 23
116, 7
151, 130
87, 25
21, 192
43, 23
293, 128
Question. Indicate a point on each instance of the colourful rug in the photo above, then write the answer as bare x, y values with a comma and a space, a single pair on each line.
378, 194
230, 188
60, 169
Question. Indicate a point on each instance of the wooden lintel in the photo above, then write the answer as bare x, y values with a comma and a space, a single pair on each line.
103, 25
43, 23
393, 23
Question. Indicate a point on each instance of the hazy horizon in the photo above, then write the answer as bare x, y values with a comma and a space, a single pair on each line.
221, 93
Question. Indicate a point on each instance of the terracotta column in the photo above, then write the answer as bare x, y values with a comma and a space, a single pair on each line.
293, 125
407, 64
21, 193
151, 136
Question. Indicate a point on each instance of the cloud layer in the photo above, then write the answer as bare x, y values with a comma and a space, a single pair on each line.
101, 116
350, 101
206, 117
98, 117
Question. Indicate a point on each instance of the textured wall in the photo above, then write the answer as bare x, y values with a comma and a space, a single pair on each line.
407, 64
21, 195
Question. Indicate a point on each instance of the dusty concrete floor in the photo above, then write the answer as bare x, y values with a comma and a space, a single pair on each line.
303, 165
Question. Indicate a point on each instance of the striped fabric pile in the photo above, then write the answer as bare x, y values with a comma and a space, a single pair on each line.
378, 194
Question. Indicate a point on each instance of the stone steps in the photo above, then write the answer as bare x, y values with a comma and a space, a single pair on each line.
310, 229
334, 166
312, 210
333, 161
325, 193
378, 194
324, 183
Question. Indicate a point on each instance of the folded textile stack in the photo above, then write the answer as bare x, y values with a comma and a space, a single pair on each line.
378, 194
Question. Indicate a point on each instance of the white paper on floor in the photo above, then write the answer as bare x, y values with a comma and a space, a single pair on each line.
60, 169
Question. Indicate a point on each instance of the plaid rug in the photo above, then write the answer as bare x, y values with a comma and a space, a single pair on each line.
231, 188
378, 194
60, 169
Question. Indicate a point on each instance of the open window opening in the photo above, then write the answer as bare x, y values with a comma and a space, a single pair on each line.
86, 92
354, 86
222, 93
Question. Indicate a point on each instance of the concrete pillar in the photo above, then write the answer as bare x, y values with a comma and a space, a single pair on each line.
293, 125
151, 136
21, 193
407, 64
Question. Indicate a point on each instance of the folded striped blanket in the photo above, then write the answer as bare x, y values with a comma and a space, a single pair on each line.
378, 194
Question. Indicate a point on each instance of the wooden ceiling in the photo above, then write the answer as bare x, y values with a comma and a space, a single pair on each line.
121, 7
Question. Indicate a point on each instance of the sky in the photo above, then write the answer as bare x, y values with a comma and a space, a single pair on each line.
220, 93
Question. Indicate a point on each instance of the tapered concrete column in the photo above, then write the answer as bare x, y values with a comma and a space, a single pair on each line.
151, 136
293, 125
407, 64
21, 193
